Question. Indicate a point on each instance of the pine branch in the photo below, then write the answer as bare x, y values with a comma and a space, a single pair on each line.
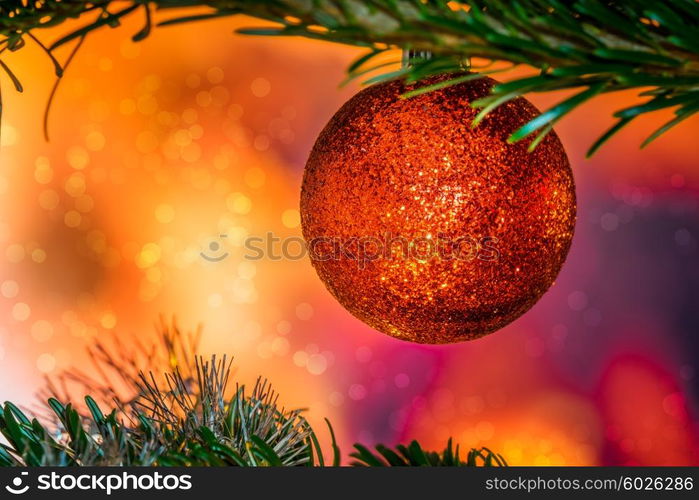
414, 456
591, 45
183, 412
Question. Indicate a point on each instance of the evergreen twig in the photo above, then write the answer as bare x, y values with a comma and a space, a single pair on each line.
183, 412
414, 456
594, 46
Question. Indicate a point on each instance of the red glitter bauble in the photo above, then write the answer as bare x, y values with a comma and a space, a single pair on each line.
431, 230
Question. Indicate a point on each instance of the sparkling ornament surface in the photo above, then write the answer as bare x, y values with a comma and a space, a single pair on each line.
430, 230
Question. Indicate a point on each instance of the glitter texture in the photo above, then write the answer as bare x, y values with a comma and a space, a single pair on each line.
413, 177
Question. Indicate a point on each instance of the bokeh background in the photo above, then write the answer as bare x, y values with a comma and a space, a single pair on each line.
158, 147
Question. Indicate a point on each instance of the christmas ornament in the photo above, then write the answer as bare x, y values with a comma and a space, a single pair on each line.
426, 228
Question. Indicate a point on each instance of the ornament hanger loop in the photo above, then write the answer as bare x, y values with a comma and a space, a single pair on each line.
410, 55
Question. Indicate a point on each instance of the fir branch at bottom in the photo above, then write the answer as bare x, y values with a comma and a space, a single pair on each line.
187, 416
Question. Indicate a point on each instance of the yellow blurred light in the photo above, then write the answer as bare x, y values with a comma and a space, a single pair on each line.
38, 255
148, 256
96, 241
15, 253
46, 363
77, 157
190, 116
21, 311
280, 346
72, 219
84, 203
235, 111
9, 135
204, 98
151, 83
291, 218
304, 311
317, 364
220, 96
164, 213
247, 270
300, 359
261, 142
75, 185
48, 199
284, 327
95, 141
191, 152
215, 300
196, 131
147, 104
239, 203
182, 137
9, 289
43, 173
260, 87
108, 320
215, 75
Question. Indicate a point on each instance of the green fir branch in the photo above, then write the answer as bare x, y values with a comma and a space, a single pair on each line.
593, 46
183, 412
414, 456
